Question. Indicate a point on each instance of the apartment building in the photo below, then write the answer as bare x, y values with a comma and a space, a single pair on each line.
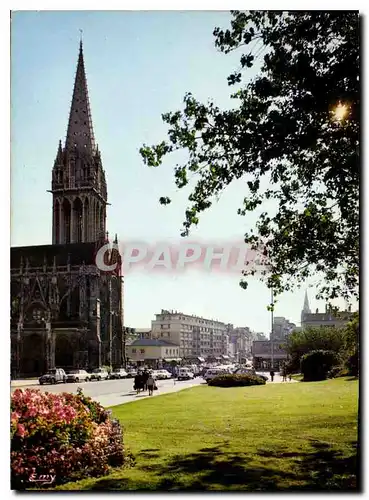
282, 327
242, 339
196, 336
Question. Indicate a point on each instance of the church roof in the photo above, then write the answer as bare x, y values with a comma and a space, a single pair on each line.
76, 253
80, 134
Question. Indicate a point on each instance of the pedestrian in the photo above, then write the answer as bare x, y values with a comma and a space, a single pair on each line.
271, 375
137, 383
150, 383
145, 377
290, 377
284, 374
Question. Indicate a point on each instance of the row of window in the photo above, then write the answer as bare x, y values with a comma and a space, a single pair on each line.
169, 352
189, 319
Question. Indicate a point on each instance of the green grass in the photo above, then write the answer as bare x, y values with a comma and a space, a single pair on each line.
275, 437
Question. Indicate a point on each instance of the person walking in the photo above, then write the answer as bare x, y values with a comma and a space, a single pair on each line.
150, 383
138, 383
145, 377
272, 375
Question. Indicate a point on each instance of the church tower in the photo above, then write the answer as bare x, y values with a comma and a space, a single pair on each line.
78, 178
306, 308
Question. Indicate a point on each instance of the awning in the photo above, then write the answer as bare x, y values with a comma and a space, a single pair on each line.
169, 360
224, 356
202, 360
218, 359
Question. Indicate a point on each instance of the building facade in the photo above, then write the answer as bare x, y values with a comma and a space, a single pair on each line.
328, 318
267, 355
65, 312
152, 351
282, 327
196, 336
241, 338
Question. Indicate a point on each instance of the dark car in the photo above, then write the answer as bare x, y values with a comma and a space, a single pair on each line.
250, 371
53, 376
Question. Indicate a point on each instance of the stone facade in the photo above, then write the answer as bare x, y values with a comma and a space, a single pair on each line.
65, 312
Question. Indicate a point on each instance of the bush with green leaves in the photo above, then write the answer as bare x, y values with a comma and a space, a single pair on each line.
316, 365
352, 364
236, 380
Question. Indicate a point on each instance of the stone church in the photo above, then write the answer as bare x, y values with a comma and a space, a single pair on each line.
65, 312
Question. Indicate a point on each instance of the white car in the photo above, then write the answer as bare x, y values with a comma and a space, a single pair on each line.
162, 374
118, 373
215, 372
99, 374
131, 373
185, 374
78, 376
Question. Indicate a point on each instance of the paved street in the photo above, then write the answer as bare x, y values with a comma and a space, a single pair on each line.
116, 392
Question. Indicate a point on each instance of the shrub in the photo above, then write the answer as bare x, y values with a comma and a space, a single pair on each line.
236, 380
352, 364
316, 365
69, 436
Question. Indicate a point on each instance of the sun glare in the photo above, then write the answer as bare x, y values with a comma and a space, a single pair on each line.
340, 112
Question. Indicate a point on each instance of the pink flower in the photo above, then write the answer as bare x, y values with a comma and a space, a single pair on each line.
21, 430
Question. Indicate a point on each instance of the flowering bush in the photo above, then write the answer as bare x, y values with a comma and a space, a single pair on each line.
66, 435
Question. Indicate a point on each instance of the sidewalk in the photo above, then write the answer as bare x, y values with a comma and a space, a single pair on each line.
108, 400
24, 382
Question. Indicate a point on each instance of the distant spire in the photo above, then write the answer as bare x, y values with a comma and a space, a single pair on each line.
80, 134
306, 308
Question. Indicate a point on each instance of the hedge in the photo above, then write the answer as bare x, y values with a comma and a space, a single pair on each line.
236, 380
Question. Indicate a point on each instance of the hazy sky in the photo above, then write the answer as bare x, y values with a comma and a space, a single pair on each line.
139, 65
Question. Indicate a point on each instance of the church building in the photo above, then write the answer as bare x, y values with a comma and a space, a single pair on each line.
66, 312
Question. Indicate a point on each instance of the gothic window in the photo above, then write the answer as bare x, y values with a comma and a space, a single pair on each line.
37, 315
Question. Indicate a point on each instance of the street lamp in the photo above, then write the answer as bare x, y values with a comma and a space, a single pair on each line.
272, 329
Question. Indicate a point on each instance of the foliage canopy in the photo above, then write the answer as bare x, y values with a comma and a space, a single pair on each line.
293, 135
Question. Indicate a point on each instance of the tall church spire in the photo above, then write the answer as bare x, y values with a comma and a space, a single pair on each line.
78, 179
306, 308
80, 134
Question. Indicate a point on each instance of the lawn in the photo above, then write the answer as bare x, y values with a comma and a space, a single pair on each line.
294, 436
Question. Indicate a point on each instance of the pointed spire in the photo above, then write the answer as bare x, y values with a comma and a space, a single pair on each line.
306, 308
80, 134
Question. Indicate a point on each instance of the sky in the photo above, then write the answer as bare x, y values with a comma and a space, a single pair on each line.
139, 65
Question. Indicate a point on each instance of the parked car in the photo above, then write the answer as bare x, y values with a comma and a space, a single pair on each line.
185, 374
131, 373
118, 373
100, 374
78, 376
215, 372
250, 371
162, 374
53, 376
